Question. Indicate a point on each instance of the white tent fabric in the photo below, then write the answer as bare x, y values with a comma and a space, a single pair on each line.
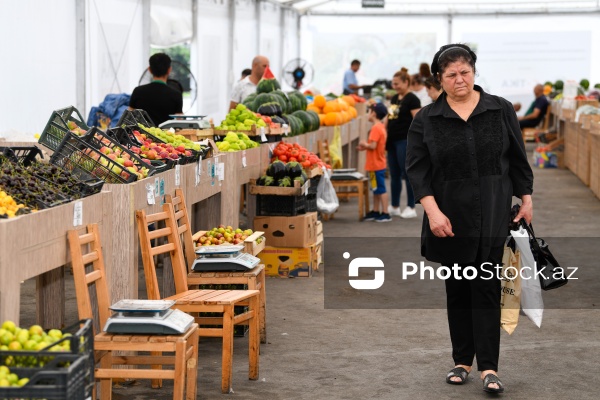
172, 22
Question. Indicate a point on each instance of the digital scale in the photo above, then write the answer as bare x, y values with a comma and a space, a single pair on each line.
223, 258
186, 122
147, 317
346, 174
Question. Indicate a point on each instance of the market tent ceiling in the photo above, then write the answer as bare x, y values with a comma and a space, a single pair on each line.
436, 7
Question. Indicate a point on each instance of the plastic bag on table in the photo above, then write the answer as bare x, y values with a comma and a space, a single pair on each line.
327, 200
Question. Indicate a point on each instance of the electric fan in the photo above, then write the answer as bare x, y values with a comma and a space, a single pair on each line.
297, 73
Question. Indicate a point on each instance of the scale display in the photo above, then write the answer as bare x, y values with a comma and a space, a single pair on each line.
147, 317
346, 174
182, 122
223, 258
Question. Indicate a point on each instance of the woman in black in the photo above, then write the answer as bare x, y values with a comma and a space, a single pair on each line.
466, 159
404, 106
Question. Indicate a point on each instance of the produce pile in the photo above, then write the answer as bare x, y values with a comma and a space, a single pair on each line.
171, 138
283, 175
241, 119
34, 338
152, 150
8, 379
9, 207
27, 189
236, 142
334, 111
63, 180
73, 127
283, 108
225, 235
293, 152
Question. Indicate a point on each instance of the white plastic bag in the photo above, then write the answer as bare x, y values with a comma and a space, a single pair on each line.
531, 292
327, 200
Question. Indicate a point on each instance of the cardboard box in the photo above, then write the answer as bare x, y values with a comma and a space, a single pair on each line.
317, 251
287, 262
298, 231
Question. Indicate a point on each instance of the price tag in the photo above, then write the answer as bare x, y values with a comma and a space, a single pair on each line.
263, 137
210, 173
177, 175
161, 192
286, 129
156, 187
78, 214
305, 190
150, 194
244, 159
221, 171
198, 172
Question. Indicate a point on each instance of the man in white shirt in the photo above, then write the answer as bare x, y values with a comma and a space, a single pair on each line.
247, 86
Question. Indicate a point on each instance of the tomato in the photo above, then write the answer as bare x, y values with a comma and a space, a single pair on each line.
283, 158
306, 164
293, 159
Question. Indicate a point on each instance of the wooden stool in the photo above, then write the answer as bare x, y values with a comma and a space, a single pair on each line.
362, 192
254, 279
199, 301
184, 347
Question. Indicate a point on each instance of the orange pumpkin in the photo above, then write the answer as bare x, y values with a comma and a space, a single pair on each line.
331, 106
350, 100
343, 105
313, 107
320, 101
332, 118
353, 112
322, 119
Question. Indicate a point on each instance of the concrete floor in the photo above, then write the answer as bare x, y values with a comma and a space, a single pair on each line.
403, 352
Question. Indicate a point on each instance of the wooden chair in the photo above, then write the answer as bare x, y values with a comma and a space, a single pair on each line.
529, 133
254, 279
346, 189
198, 301
184, 347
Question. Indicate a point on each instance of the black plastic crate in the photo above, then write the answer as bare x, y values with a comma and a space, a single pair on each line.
287, 206
238, 330
134, 117
86, 162
26, 155
125, 133
311, 202
59, 125
55, 377
314, 182
46, 369
100, 139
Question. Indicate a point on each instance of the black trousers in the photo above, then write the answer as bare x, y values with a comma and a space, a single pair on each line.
474, 315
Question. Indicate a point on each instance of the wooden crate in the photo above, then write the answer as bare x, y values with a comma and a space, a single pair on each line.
297, 190
197, 134
571, 142
250, 244
593, 103
583, 154
595, 158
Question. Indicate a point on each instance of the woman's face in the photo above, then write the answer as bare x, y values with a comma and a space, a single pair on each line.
458, 80
400, 86
433, 93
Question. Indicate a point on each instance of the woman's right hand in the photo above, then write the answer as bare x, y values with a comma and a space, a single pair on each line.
440, 225
438, 222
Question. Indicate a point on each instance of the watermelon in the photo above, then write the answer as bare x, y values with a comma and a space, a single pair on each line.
278, 120
249, 101
268, 83
269, 109
286, 105
298, 100
558, 85
316, 121
307, 121
296, 126
263, 98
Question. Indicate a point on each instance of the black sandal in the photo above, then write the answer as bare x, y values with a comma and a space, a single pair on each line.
458, 372
488, 380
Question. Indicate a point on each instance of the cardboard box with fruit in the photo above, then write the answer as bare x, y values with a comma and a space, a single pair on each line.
253, 242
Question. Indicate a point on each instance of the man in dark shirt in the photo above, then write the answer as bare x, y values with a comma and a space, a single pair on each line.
157, 98
536, 111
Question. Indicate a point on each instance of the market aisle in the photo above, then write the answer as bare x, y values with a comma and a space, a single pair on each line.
317, 353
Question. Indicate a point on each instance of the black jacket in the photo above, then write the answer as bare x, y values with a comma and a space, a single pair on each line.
472, 168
